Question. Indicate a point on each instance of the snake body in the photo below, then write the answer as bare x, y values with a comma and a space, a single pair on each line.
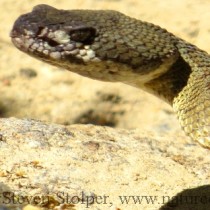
110, 46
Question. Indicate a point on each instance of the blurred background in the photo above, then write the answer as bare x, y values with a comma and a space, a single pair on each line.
32, 89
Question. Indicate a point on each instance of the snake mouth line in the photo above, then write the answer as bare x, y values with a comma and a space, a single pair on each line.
53, 45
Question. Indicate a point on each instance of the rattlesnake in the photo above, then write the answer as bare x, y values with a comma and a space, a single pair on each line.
110, 46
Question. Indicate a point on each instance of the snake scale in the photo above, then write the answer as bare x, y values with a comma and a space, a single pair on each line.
110, 46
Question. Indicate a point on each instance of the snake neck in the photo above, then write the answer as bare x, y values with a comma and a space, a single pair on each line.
192, 104
168, 85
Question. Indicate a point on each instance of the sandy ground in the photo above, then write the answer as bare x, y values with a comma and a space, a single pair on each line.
32, 89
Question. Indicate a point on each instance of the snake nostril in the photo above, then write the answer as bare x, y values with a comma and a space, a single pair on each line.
39, 30
50, 42
42, 34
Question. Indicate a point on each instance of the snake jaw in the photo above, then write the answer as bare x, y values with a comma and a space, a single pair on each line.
56, 45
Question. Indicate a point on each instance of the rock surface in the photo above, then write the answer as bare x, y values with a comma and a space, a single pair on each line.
144, 154
100, 163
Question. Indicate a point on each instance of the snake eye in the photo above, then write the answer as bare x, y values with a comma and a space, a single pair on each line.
83, 34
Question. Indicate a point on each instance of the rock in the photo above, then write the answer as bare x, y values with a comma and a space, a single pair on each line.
96, 167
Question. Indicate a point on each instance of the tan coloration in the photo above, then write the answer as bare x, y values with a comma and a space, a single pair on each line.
109, 46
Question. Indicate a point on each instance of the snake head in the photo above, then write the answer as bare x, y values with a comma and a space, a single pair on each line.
45, 34
100, 44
